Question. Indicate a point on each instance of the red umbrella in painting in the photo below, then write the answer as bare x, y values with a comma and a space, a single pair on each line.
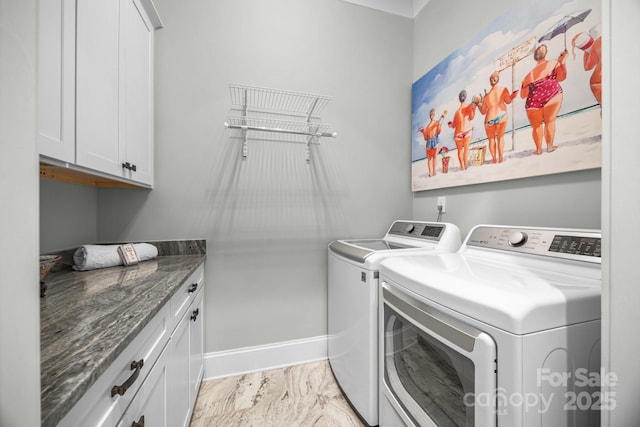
563, 25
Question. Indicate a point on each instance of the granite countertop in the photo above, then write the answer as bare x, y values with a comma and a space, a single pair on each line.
88, 318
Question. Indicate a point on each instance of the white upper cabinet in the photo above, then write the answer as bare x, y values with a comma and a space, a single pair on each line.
113, 87
137, 96
56, 79
97, 84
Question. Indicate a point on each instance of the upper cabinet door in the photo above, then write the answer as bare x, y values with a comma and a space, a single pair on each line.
56, 79
136, 100
98, 86
114, 97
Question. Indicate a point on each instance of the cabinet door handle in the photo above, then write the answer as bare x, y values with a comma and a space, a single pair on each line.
139, 423
129, 166
192, 288
122, 389
195, 313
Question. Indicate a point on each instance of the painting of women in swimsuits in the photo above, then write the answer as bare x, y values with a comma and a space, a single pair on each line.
523, 98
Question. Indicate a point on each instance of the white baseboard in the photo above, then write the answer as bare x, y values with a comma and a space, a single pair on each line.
262, 357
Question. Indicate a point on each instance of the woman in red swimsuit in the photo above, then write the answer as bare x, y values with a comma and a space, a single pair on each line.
544, 96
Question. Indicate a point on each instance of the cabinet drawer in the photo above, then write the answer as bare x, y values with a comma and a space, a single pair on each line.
149, 406
103, 404
184, 296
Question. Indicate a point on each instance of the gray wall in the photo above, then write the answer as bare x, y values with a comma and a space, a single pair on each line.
268, 219
69, 216
19, 289
561, 200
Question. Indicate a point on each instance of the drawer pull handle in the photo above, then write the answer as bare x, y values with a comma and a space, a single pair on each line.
122, 389
195, 313
193, 288
139, 423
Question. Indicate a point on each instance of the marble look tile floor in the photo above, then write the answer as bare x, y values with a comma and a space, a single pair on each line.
296, 396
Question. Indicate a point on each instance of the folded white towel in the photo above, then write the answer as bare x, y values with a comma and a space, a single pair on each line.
91, 257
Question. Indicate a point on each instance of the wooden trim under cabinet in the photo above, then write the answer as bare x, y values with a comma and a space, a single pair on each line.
59, 173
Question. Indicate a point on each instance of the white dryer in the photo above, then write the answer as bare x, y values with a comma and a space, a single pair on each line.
505, 332
353, 302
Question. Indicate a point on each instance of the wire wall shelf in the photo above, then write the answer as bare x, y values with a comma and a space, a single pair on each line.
293, 115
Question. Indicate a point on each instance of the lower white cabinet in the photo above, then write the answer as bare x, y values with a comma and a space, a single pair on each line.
186, 364
178, 385
196, 345
149, 406
155, 380
109, 397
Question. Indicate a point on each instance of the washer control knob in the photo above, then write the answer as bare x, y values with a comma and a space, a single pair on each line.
409, 228
517, 238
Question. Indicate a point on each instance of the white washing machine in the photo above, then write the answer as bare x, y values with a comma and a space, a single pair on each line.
505, 332
353, 302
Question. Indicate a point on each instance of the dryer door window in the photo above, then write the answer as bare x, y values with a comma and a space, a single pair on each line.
435, 381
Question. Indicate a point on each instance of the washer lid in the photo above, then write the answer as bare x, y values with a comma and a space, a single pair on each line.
378, 244
514, 292
360, 250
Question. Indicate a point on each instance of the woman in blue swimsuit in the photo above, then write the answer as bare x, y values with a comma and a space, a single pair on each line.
494, 107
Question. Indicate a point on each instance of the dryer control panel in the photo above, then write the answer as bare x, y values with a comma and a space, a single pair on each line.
576, 244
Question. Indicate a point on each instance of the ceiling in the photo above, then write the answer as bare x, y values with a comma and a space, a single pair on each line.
407, 8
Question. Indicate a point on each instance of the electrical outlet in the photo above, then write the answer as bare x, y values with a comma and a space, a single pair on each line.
441, 204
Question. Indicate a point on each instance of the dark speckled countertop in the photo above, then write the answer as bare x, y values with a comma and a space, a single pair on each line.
88, 318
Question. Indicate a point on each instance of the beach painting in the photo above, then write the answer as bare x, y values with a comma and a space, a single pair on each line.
521, 99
